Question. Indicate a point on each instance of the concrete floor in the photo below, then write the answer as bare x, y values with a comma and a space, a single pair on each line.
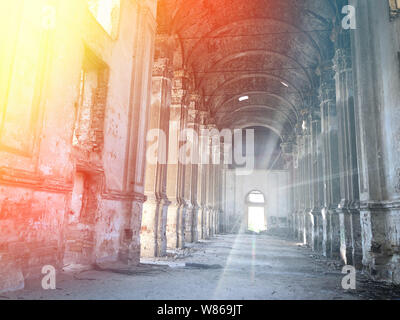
226, 267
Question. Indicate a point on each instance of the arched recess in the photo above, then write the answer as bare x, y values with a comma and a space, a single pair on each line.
256, 212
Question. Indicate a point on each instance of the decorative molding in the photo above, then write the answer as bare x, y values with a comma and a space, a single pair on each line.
342, 60
162, 68
383, 205
25, 179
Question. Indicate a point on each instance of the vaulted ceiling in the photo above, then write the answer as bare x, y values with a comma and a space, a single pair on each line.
268, 50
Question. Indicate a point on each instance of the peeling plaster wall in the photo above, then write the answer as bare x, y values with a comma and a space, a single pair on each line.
376, 44
31, 225
38, 225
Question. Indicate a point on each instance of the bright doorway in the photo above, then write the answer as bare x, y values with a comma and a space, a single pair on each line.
256, 220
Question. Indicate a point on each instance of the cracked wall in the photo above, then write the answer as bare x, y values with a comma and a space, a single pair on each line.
64, 193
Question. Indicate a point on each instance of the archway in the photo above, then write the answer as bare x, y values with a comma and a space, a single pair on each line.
256, 213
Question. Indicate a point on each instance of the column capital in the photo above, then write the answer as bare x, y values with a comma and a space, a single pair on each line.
300, 141
315, 116
195, 97
303, 125
194, 108
326, 72
181, 73
304, 110
162, 68
203, 117
192, 117
290, 138
298, 129
342, 60
327, 90
211, 125
287, 148
180, 88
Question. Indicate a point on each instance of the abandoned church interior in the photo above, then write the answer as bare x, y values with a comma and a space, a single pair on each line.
292, 106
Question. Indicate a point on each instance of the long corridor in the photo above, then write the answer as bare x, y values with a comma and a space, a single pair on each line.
226, 267
141, 140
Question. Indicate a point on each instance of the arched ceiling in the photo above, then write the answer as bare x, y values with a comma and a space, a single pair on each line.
267, 50
267, 152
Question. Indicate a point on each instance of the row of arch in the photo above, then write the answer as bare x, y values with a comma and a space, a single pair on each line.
267, 50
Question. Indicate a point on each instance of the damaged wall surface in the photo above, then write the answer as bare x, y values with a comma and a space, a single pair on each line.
101, 100
70, 109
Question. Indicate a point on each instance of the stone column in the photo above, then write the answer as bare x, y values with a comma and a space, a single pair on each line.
348, 209
220, 171
375, 49
215, 187
296, 175
154, 217
139, 106
288, 150
209, 170
317, 183
191, 168
202, 175
329, 128
176, 171
218, 189
307, 180
223, 224
214, 179
302, 189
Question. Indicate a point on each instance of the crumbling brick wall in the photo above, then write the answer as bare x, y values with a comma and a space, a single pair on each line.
36, 187
29, 239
